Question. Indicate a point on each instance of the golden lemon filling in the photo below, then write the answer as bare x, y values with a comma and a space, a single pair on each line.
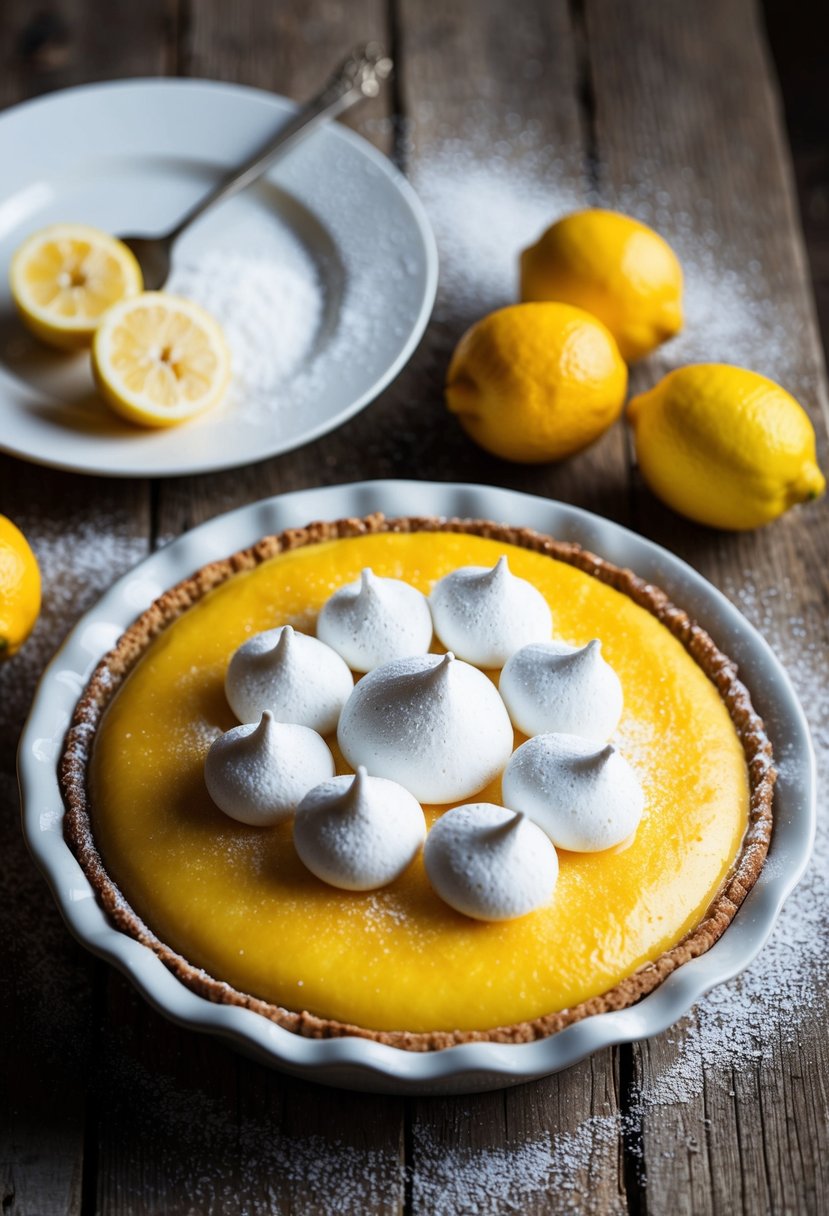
237, 902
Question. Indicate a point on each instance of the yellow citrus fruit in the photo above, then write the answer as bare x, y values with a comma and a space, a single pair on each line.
160, 360
725, 446
65, 277
536, 382
19, 588
613, 266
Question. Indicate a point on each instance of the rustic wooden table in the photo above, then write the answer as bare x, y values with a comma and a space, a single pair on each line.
669, 109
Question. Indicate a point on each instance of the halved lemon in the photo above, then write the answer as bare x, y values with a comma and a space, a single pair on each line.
65, 277
160, 359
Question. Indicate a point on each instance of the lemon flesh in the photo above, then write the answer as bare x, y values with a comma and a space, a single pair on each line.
65, 277
160, 360
536, 382
19, 588
725, 446
622, 271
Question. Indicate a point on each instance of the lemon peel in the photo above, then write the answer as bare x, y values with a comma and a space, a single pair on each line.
613, 266
725, 446
19, 588
536, 382
160, 359
63, 279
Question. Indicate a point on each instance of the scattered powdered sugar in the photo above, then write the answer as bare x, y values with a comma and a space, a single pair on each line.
448, 1180
483, 215
79, 560
270, 308
192, 1138
486, 208
746, 1022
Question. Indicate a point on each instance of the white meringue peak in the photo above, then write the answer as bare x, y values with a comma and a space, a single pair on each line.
552, 687
584, 796
259, 772
297, 678
358, 833
375, 620
490, 863
484, 616
430, 722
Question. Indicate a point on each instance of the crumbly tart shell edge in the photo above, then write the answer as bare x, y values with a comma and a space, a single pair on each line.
116, 665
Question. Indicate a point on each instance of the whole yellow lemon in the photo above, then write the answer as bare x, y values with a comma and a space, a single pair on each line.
19, 588
725, 446
536, 382
613, 266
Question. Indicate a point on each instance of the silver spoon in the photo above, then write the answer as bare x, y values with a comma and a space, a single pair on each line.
360, 76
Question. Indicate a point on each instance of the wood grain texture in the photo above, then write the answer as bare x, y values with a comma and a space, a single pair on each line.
729, 1145
796, 44
191, 1128
85, 532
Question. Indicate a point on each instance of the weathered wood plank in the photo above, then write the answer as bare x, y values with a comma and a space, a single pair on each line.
191, 1128
688, 135
550, 1147
85, 533
800, 68
69, 42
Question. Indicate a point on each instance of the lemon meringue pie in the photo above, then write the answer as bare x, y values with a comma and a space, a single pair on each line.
616, 822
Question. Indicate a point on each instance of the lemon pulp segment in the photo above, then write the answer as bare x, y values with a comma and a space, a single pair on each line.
160, 359
238, 902
66, 276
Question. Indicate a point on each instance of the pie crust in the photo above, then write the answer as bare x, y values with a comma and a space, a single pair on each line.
117, 664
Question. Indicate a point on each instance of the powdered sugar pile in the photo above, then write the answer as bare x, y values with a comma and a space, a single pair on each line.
270, 308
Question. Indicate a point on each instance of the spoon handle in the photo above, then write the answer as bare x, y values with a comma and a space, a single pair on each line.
359, 76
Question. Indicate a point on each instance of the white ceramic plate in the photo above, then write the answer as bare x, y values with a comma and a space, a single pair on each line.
356, 1063
131, 157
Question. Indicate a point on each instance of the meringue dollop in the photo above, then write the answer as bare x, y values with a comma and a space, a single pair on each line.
484, 616
375, 620
297, 678
358, 833
258, 773
432, 723
585, 797
552, 687
490, 863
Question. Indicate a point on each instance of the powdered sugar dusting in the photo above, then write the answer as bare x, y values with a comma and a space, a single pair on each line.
502, 1179
744, 1023
486, 208
483, 215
